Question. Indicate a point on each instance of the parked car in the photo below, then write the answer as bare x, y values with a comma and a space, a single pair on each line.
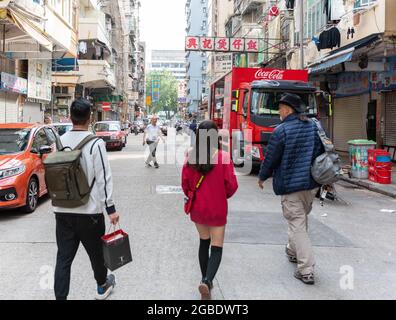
164, 128
23, 147
62, 128
111, 132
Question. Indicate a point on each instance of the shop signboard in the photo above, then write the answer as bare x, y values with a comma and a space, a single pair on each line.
223, 62
385, 80
40, 79
353, 84
10, 82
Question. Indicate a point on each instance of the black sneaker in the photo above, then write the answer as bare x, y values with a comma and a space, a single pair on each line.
156, 166
105, 290
148, 165
292, 257
305, 278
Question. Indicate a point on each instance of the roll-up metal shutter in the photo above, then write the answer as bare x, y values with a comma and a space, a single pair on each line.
9, 110
349, 121
32, 112
390, 119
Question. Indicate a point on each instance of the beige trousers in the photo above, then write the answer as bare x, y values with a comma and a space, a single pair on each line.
296, 208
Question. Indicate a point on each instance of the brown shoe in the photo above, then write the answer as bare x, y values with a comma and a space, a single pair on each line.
204, 290
308, 279
291, 256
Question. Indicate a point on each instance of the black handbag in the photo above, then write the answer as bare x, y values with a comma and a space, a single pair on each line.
116, 250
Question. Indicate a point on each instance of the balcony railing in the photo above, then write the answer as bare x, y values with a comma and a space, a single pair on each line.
91, 28
247, 6
97, 73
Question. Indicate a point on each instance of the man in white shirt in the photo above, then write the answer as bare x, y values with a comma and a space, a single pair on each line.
152, 135
85, 224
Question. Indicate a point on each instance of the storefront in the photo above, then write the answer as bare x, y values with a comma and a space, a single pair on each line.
39, 90
32, 111
385, 83
390, 120
351, 103
11, 90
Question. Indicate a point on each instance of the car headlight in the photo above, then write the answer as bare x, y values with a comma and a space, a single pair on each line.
11, 172
255, 152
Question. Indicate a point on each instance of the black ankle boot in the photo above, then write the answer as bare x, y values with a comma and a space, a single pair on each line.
208, 283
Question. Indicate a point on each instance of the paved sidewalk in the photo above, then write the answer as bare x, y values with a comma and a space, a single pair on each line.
385, 189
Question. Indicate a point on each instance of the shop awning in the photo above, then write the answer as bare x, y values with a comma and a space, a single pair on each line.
30, 29
65, 64
342, 55
331, 61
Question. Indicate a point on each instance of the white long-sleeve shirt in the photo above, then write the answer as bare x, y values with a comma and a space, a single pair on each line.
96, 166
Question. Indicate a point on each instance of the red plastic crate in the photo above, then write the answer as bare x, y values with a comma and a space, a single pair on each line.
372, 155
373, 177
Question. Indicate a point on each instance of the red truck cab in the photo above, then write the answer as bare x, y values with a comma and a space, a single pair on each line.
244, 104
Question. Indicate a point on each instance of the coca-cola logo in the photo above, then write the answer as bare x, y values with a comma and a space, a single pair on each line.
269, 74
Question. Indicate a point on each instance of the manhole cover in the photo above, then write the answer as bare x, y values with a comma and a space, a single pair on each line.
168, 190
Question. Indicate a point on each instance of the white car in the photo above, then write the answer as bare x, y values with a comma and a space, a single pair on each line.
62, 128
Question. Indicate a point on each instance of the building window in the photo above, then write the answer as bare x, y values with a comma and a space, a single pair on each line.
314, 20
363, 3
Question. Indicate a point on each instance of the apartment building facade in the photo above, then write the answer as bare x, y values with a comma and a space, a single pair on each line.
348, 48
170, 60
197, 16
34, 34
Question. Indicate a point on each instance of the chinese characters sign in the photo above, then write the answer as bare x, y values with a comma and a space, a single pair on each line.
155, 92
222, 44
13, 83
39, 79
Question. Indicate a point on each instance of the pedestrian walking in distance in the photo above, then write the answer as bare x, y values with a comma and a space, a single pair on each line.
293, 147
85, 224
209, 174
152, 135
193, 130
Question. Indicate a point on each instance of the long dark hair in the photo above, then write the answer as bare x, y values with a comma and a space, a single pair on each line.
207, 143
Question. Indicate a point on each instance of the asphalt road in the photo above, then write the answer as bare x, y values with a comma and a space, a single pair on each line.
353, 242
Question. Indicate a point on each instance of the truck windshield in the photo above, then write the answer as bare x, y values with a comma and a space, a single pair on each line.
265, 103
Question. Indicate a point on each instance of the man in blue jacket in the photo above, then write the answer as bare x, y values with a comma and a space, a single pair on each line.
291, 151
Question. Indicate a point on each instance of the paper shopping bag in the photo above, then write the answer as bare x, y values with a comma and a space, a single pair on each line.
116, 250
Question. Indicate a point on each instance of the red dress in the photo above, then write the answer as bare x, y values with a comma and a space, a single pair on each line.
210, 205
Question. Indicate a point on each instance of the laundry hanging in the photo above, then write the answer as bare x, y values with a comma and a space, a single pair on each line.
334, 9
337, 10
329, 39
290, 4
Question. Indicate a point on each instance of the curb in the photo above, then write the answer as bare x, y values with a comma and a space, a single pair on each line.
371, 187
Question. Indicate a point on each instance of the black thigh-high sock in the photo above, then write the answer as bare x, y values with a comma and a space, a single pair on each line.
214, 262
204, 256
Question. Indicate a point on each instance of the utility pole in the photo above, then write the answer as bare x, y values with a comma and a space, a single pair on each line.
301, 34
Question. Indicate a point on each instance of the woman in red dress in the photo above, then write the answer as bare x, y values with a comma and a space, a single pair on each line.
208, 164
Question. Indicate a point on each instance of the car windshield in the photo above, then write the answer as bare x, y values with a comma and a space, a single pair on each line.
62, 129
13, 140
105, 127
266, 102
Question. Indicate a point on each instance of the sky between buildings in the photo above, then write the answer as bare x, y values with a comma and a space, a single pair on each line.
163, 24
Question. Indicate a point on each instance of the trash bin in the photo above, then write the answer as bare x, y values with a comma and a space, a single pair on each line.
358, 154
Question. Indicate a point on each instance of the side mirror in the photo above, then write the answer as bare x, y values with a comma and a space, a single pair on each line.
45, 150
